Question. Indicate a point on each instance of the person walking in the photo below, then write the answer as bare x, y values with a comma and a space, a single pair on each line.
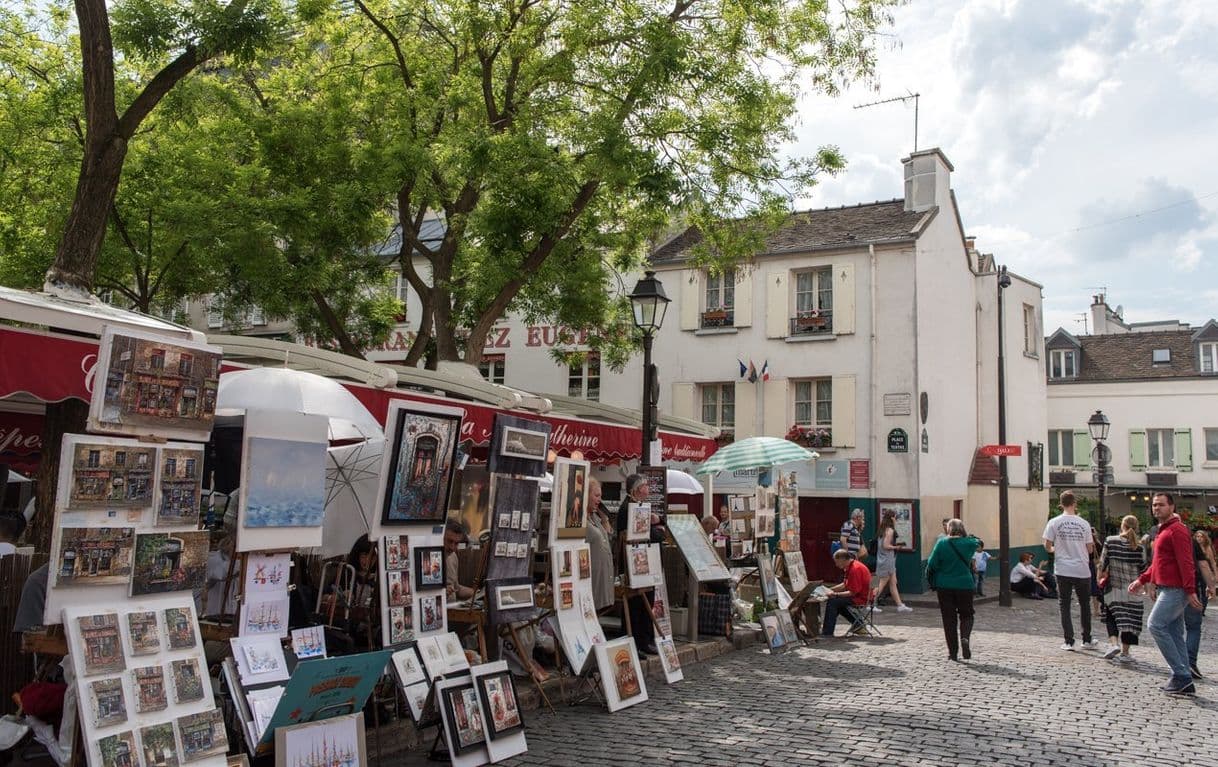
981, 561
1173, 572
886, 560
949, 570
1123, 559
1207, 578
851, 536
1068, 538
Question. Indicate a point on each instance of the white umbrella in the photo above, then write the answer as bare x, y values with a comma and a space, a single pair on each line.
295, 391
353, 477
680, 483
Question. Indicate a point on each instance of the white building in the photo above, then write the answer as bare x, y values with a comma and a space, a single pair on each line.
1157, 383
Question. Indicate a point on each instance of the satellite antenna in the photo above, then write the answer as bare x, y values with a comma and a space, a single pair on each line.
902, 99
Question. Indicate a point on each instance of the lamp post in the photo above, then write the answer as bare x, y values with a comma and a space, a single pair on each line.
1004, 511
648, 303
1098, 425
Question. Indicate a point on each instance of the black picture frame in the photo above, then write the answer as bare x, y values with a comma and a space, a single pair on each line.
407, 503
425, 576
499, 463
450, 717
503, 679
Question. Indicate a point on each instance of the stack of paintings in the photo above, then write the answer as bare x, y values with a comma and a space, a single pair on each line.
481, 715
578, 625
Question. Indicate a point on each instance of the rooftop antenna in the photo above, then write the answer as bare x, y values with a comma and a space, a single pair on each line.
902, 99
1103, 291
1083, 317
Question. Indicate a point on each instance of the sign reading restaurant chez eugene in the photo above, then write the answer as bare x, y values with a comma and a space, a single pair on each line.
499, 338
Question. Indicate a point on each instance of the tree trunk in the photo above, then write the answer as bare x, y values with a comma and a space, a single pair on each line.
67, 417
335, 326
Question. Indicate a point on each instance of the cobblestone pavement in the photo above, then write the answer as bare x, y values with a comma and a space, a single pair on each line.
897, 700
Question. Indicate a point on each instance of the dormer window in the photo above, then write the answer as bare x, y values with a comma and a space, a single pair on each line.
1207, 356
1063, 363
1160, 357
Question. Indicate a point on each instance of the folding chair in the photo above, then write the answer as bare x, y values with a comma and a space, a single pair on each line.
863, 619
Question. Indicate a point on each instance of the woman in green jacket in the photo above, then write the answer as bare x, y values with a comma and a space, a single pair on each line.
950, 572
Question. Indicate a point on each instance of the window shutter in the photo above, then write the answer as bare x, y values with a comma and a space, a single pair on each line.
743, 313
683, 401
1137, 449
691, 299
843, 411
746, 410
843, 299
777, 311
1082, 449
776, 419
1184, 449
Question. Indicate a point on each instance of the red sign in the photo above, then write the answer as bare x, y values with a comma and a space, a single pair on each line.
1000, 450
860, 474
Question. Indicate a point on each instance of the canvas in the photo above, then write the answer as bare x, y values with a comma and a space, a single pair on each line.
569, 505
421, 453
102, 648
180, 628
150, 384
670, 661
265, 616
158, 746
796, 572
512, 452
773, 631
337, 742
621, 674
429, 567
431, 613
309, 642
169, 562
398, 586
149, 685
286, 482
638, 521
94, 556
408, 667
187, 681
500, 709
462, 717
107, 473
401, 624
181, 474
117, 750
109, 705
202, 735
266, 573
143, 633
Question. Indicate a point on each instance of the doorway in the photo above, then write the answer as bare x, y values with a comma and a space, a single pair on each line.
820, 523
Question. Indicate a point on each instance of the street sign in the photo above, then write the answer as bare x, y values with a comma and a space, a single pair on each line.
999, 450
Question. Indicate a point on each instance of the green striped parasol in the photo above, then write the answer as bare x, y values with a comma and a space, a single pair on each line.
755, 453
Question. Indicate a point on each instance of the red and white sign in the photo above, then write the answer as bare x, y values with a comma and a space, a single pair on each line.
995, 451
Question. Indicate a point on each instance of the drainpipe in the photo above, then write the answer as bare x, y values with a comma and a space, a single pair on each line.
875, 386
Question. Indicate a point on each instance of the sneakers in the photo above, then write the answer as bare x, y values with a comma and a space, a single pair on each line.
1091, 645
908, 609
1112, 652
1196, 672
876, 608
1122, 658
1187, 689
1068, 647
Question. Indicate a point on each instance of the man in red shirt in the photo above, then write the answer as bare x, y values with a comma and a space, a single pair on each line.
854, 589
1173, 573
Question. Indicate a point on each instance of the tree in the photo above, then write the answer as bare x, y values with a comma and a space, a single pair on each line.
554, 138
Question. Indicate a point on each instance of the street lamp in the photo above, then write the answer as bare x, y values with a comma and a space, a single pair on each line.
1098, 425
1004, 511
649, 304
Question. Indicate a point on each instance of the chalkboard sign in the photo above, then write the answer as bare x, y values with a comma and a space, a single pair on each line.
657, 489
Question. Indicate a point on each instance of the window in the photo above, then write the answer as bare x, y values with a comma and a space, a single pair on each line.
156, 360
1207, 357
814, 292
94, 459
1211, 445
1063, 363
1160, 356
120, 457
1160, 448
215, 313
721, 291
814, 402
255, 316
719, 406
186, 363
1030, 336
584, 379
493, 367
1061, 447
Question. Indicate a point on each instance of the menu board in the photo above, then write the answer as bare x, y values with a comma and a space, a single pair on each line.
696, 547
657, 488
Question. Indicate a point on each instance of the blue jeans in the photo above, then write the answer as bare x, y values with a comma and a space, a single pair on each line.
1166, 624
834, 607
1192, 631
980, 578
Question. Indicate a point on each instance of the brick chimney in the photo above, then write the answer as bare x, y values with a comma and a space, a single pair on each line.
927, 180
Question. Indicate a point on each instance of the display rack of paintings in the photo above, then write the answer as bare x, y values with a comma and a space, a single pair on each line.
334, 742
513, 517
502, 717
621, 674
578, 625
420, 457
151, 384
519, 446
569, 499
141, 682
283, 478
696, 548
788, 512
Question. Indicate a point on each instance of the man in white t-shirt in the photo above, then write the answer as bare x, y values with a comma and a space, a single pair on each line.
1068, 538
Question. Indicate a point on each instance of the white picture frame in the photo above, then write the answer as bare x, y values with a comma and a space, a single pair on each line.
622, 681
300, 440
670, 660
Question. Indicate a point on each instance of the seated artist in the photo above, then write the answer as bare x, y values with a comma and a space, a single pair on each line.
1028, 580
852, 591
454, 535
641, 627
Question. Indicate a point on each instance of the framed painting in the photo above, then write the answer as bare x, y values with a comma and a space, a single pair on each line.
337, 741
101, 649
569, 501
93, 556
420, 457
621, 674
638, 522
765, 573
462, 717
774, 637
787, 625
429, 568
109, 705
106, 473
430, 611
283, 480
796, 572
408, 667
149, 686
500, 709
670, 660
507, 597
170, 562
179, 479
518, 446
152, 384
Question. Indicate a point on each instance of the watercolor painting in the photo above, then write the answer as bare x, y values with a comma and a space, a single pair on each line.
187, 684
94, 556
181, 476
337, 742
424, 452
103, 649
109, 476
202, 735
401, 625
109, 705
180, 628
309, 642
408, 667
169, 562
286, 482
463, 717
502, 711
143, 632
266, 572
149, 683
158, 746
265, 616
147, 383
398, 585
117, 750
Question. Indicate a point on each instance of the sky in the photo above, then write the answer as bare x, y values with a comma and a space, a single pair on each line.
1084, 136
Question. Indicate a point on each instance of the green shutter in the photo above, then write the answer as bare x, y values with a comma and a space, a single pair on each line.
1082, 449
1137, 449
1184, 450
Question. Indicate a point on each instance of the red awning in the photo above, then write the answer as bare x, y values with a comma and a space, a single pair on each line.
52, 367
